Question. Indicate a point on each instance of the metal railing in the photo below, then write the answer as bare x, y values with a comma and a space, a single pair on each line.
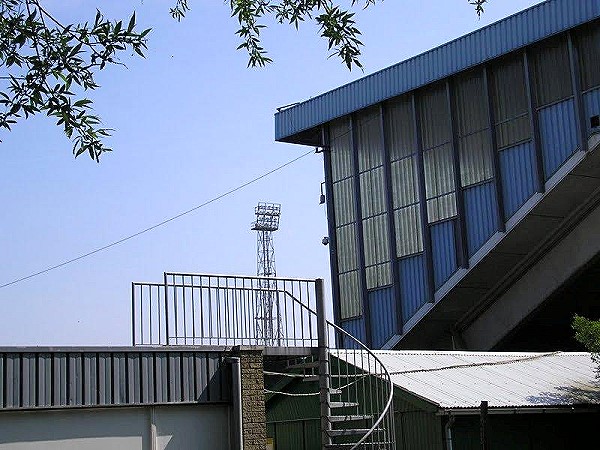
209, 309
358, 376
355, 388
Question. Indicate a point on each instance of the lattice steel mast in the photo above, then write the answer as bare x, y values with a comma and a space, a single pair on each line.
268, 315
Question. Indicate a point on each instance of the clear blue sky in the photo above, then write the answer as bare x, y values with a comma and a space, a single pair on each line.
191, 123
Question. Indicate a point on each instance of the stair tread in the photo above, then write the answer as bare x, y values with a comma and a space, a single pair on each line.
350, 444
342, 404
351, 431
304, 365
350, 417
311, 378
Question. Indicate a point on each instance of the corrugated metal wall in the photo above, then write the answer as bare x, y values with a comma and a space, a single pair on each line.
86, 378
443, 244
591, 101
502, 37
517, 166
356, 327
558, 134
413, 285
480, 215
491, 121
383, 316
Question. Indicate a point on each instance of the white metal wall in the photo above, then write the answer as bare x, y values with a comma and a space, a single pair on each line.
186, 427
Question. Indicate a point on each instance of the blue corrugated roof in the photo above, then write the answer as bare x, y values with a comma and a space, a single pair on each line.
499, 38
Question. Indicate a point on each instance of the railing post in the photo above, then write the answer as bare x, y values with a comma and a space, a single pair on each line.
323, 363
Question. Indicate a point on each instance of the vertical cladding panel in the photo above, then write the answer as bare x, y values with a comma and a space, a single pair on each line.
591, 101
187, 377
13, 380
356, 328
134, 378
434, 117
75, 381
59, 379
148, 378
475, 158
343, 201
90, 388
119, 379
404, 182
346, 248
214, 378
161, 380
443, 244
413, 285
104, 379
44, 388
399, 130
480, 212
517, 166
588, 47
201, 376
372, 192
558, 132
383, 315
368, 139
174, 377
29, 380
376, 240
551, 71
342, 165
2, 379
350, 298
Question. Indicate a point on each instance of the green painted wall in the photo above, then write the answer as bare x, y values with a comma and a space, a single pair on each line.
550, 431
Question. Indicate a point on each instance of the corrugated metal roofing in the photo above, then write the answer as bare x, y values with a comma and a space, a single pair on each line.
502, 37
506, 380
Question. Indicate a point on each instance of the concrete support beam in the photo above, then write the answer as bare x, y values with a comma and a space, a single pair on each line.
561, 262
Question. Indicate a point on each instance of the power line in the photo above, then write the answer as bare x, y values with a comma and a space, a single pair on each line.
160, 224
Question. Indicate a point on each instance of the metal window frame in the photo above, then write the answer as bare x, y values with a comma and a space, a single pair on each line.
461, 229
362, 277
331, 224
577, 91
534, 123
500, 217
387, 170
425, 230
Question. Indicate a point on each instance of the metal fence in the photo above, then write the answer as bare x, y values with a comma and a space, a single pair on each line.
208, 309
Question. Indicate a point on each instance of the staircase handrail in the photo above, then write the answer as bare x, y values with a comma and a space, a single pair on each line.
388, 378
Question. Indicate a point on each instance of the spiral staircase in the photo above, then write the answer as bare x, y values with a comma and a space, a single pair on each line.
355, 390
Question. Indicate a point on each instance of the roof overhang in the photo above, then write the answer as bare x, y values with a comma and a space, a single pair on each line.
299, 123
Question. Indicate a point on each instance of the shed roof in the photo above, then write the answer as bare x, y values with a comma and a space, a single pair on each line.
502, 37
455, 380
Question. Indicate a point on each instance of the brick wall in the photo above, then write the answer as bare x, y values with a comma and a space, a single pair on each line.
253, 400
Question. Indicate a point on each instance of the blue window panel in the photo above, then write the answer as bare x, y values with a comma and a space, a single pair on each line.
443, 244
591, 102
413, 285
481, 215
558, 133
517, 165
355, 327
383, 316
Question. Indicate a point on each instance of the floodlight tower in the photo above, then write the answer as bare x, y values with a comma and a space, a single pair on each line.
268, 315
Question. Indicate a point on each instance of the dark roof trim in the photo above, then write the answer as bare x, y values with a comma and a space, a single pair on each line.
542, 409
502, 37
